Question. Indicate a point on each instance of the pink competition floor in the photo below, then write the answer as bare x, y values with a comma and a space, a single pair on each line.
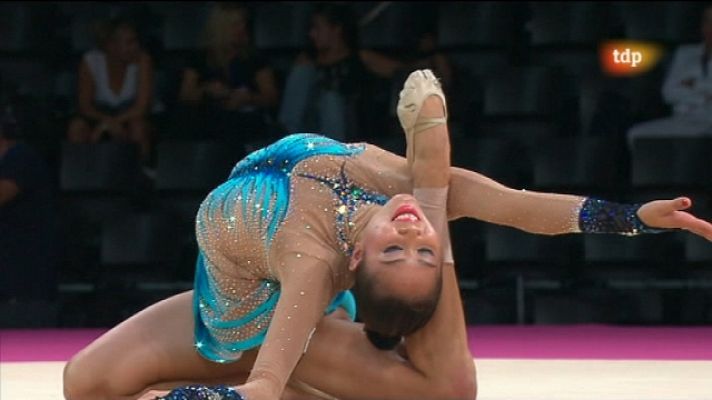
522, 342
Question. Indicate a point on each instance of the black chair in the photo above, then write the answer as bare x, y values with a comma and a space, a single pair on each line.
635, 261
24, 314
81, 219
193, 166
479, 24
590, 165
666, 22
571, 309
140, 240
680, 163
528, 263
695, 303
282, 25
599, 305
489, 306
141, 262
98, 182
383, 23
468, 247
697, 249
104, 167
501, 159
523, 92
511, 251
580, 23
183, 24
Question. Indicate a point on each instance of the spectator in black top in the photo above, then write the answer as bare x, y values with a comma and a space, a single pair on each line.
27, 224
326, 91
229, 88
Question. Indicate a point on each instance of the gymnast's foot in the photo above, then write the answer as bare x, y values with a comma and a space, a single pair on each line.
421, 106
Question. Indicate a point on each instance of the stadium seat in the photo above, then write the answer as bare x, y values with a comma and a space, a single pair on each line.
673, 22
482, 24
385, 28
16, 24
575, 23
139, 239
184, 25
516, 252
588, 165
501, 159
631, 260
698, 249
282, 25
680, 163
522, 91
105, 167
571, 309
26, 77
193, 166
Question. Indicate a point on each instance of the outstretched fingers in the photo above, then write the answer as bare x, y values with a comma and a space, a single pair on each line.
693, 224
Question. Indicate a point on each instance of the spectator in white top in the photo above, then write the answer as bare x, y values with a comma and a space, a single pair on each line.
115, 90
688, 89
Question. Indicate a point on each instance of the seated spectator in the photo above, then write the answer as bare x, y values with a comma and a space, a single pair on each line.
688, 89
27, 228
229, 89
325, 90
115, 90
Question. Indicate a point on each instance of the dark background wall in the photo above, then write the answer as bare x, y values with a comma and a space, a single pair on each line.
127, 243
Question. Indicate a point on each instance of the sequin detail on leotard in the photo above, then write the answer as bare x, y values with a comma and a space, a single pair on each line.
349, 197
235, 227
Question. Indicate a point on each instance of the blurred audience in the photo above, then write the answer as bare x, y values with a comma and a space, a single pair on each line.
228, 91
115, 90
427, 55
688, 89
332, 87
27, 224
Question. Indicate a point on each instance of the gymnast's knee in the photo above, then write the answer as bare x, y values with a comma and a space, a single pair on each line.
466, 390
463, 385
80, 382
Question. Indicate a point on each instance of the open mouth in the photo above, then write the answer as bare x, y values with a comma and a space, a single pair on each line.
406, 212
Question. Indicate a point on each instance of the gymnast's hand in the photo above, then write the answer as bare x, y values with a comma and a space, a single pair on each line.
256, 390
670, 214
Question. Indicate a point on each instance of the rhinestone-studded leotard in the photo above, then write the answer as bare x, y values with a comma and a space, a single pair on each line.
297, 197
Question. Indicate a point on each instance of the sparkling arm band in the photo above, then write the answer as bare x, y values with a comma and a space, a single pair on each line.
201, 392
600, 216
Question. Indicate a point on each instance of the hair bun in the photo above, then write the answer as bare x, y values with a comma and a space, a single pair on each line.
382, 342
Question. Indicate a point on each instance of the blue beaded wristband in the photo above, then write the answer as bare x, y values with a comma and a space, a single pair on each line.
202, 392
600, 216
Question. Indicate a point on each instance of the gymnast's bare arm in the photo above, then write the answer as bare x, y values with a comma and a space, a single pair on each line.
306, 288
473, 195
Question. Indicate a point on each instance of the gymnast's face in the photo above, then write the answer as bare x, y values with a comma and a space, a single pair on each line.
400, 249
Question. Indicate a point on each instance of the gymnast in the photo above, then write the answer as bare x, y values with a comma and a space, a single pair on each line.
298, 230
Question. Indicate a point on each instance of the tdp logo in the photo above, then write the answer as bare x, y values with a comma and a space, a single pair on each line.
626, 57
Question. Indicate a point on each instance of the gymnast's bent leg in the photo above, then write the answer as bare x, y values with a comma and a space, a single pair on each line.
151, 347
154, 350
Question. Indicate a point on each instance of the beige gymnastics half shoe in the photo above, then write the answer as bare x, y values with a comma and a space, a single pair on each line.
419, 86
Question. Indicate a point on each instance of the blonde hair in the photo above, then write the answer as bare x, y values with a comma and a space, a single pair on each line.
217, 31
